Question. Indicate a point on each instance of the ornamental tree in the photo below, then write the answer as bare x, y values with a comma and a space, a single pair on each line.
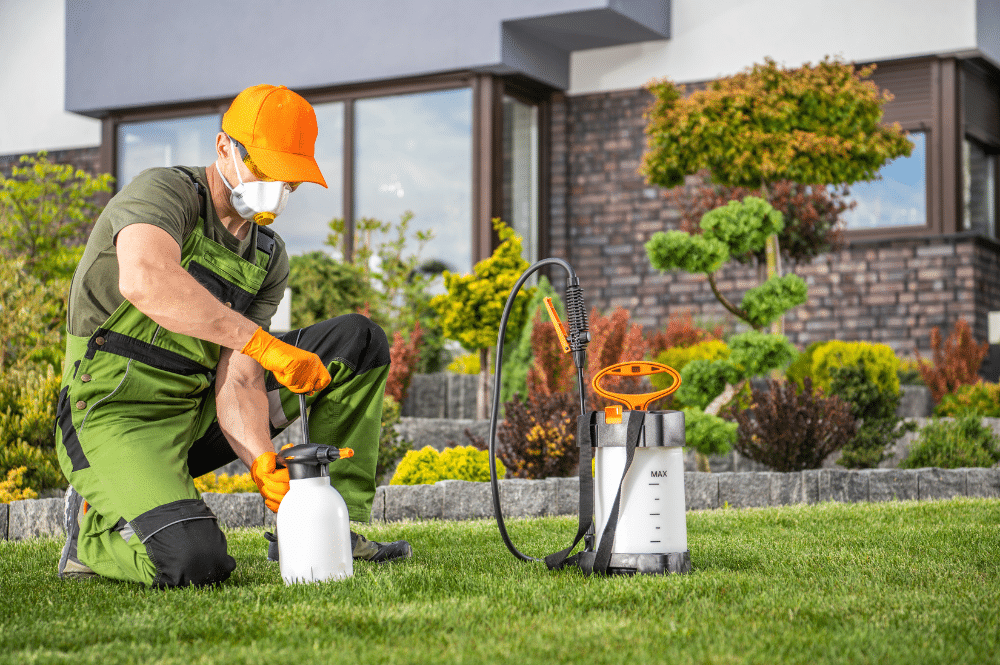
812, 125
471, 309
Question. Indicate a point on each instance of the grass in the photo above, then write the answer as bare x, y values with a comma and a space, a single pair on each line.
903, 582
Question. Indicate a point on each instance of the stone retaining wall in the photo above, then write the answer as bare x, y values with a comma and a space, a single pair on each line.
461, 500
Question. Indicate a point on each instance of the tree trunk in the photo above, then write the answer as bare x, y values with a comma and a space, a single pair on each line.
483, 388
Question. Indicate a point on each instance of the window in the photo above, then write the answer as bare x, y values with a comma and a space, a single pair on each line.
898, 199
415, 145
520, 172
310, 208
178, 142
414, 153
979, 182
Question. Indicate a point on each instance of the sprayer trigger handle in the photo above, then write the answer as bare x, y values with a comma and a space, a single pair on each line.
561, 330
637, 368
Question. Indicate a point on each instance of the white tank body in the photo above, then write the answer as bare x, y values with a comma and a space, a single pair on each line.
652, 514
314, 533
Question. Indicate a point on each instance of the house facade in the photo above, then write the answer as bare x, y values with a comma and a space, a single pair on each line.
533, 112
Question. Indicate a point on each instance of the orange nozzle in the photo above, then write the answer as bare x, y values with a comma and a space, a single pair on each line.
346, 452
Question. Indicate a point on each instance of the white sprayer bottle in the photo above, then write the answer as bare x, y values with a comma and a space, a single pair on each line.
314, 532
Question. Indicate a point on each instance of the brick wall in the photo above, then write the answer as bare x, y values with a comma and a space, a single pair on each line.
79, 158
602, 213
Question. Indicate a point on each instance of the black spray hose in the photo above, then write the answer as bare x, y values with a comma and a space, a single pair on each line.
576, 313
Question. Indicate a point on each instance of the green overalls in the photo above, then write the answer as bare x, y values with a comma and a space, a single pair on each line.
136, 417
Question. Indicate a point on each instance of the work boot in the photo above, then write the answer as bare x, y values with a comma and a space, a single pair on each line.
361, 548
369, 550
70, 567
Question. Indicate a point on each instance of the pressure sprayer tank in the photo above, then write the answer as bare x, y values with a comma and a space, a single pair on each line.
652, 528
314, 532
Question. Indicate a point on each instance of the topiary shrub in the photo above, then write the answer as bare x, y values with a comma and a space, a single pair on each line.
981, 399
954, 444
678, 357
427, 466
791, 429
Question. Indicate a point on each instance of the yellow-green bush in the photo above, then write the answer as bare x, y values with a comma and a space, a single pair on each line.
427, 466
28, 394
467, 363
880, 362
225, 484
982, 399
13, 489
679, 356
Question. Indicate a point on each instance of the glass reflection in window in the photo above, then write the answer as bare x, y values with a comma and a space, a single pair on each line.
304, 225
177, 142
414, 152
979, 184
520, 173
898, 199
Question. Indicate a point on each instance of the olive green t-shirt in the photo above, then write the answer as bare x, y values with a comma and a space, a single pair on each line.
166, 198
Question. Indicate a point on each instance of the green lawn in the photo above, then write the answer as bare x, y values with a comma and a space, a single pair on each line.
903, 582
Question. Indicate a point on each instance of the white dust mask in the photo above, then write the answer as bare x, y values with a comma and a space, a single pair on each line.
260, 201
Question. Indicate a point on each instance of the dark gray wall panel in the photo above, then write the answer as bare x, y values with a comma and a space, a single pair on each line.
122, 54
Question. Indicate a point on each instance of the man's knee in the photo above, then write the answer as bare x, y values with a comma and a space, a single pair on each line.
185, 544
350, 338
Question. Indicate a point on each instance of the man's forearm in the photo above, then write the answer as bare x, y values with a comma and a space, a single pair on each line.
241, 404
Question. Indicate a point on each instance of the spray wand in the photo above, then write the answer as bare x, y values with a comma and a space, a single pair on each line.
574, 340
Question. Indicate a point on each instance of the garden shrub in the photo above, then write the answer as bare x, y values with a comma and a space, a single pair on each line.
404, 355
953, 363
681, 331
879, 426
980, 398
28, 396
954, 444
801, 367
679, 356
708, 434
12, 487
537, 437
879, 360
613, 339
427, 466
466, 363
225, 483
791, 429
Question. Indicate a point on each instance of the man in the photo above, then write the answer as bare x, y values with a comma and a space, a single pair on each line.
171, 373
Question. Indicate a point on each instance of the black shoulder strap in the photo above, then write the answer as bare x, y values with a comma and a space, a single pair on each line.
634, 430
200, 188
265, 240
584, 433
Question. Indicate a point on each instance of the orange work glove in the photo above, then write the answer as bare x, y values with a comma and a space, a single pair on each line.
300, 371
271, 481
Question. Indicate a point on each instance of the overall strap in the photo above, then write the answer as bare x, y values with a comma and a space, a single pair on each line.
200, 188
584, 437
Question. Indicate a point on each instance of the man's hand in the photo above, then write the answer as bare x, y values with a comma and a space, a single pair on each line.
300, 371
271, 481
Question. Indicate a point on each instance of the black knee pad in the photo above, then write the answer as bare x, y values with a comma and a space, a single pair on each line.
184, 542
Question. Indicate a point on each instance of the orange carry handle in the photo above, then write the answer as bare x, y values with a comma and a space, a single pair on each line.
560, 328
639, 368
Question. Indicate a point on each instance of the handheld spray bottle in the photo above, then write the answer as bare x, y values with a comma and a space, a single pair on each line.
314, 532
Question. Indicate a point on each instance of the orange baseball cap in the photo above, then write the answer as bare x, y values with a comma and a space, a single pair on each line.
278, 129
